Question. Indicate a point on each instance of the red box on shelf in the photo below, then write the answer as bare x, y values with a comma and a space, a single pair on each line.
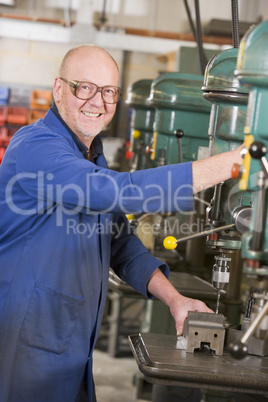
2, 152
4, 141
17, 115
3, 115
3, 133
12, 130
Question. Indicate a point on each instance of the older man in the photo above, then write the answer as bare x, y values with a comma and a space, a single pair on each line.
63, 226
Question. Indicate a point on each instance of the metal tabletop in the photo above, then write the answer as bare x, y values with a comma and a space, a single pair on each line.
163, 360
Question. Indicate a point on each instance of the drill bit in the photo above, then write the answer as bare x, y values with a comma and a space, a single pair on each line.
220, 276
218, 301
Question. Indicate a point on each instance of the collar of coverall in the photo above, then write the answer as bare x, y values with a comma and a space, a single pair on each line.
96, 148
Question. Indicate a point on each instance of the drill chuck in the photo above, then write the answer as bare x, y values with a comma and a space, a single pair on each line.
220, 272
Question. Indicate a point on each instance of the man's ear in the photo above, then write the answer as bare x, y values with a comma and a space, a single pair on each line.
57, 89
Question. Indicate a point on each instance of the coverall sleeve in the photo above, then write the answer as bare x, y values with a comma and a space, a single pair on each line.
54, 173
130, 259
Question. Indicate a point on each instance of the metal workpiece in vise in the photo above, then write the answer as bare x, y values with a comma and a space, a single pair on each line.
204, 331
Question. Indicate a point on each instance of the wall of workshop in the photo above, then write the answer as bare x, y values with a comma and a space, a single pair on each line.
170, 15
28, 62
35, 64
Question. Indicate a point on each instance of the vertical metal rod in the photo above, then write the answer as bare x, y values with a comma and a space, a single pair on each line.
179, 134
257, 233
235, 23
215, 216
103, 18
202, 56
179, 150
218, 301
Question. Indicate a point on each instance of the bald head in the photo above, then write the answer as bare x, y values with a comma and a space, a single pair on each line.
83, 50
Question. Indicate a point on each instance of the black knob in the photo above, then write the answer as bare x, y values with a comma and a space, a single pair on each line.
257, 149
238, 350
134, 223
179, 133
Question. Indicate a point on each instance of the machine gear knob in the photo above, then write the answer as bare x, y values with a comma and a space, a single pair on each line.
257, 150
170, 243
238, 350
179, 133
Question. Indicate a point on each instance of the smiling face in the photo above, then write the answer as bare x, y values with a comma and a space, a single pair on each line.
86, 118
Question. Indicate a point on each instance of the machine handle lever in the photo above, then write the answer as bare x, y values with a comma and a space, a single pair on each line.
258, 150
206, 232
241, 218
264, 165
179, 134
171, 242
239, 350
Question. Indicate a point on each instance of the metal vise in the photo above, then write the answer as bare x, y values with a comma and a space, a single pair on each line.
204, 330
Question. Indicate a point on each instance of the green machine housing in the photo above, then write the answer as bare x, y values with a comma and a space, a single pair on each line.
229, 99
181, 118
252, 71
141, 123
230, 208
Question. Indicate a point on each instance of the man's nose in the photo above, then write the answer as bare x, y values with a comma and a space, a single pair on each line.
97, 98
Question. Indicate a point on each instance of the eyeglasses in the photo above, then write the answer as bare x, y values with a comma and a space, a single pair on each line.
87, 90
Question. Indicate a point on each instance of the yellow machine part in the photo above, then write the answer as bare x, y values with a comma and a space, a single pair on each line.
243, 183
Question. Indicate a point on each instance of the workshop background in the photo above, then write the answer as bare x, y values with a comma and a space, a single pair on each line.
145, 37
185, 91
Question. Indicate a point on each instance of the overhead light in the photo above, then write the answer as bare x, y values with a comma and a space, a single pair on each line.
8, 3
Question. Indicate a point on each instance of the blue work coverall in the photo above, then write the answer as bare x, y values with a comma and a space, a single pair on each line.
62, 227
